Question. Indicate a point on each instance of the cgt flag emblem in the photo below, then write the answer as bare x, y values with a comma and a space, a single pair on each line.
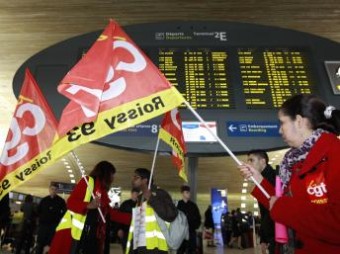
32, 132
113, 87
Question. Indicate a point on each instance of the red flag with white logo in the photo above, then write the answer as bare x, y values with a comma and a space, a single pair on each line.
84, 83
172, 134
113, 72
32, 131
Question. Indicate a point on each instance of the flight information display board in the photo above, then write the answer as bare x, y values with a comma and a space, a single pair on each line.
201, 75
270, 76
267, 76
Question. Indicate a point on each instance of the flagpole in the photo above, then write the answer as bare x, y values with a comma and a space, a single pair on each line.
153, 163
75, 157
225, 147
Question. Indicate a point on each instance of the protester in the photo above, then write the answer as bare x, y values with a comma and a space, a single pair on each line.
82, 229
127, 206
193, 215
258, 159
310, 174
145, 235
50, 210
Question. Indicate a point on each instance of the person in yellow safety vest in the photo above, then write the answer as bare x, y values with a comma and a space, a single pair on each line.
82, 230
145, 235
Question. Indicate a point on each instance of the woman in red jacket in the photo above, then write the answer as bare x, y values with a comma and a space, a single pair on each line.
310, 173
82, 229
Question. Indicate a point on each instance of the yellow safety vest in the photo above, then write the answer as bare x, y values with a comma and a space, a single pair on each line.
153, 235
76, 221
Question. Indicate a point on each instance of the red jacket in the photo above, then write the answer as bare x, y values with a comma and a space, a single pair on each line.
62, 240
313, 207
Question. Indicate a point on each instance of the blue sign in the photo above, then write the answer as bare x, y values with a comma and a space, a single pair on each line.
253, 129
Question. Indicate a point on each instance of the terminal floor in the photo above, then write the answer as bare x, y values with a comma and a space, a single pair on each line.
219, 249
116, 249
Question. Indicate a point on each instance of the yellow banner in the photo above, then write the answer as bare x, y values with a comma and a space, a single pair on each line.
123, 116
110, 121
174, 144
29, 169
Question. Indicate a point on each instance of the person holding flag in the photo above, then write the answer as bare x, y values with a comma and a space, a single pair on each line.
145, 235
310, 174
81, 230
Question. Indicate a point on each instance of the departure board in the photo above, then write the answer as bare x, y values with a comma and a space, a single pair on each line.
270, 76
201, 75
266, 76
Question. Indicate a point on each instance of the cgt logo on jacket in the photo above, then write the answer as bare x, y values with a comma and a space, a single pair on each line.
316, 188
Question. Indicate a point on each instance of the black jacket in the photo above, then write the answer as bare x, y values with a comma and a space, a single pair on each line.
192, 212
51, 210
163, 205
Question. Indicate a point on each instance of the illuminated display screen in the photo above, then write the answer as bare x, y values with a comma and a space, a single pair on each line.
267, 77
270, 76
201, 75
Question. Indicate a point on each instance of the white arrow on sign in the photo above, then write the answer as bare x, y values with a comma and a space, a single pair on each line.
338, 73
232, 128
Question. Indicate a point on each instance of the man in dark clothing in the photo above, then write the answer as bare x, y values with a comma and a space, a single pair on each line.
259, 160
127, 206
50, 210
192, 212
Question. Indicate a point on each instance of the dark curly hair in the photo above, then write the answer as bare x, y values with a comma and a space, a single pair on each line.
103, 171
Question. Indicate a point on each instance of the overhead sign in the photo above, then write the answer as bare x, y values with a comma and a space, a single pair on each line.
146, 129
253, 129
198, 132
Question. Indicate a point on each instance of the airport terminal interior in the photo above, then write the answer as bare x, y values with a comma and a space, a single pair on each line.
29, 27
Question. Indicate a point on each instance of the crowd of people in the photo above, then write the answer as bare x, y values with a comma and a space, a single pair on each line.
309, 207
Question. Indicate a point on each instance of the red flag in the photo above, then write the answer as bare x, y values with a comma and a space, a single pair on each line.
114, 72
32, 131
172, 134
84, 83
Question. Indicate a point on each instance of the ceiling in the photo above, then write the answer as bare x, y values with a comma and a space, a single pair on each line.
28, 26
